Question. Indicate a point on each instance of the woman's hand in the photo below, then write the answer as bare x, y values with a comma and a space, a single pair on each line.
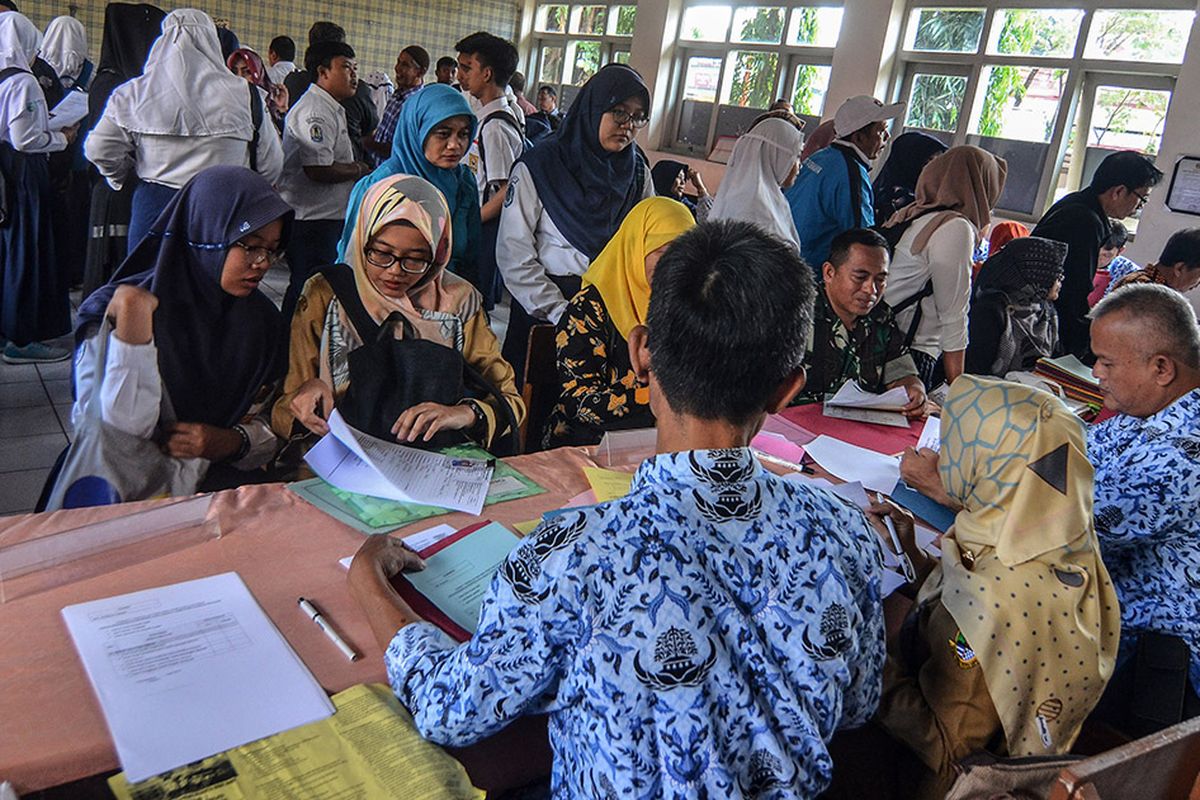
312, 399
387, 555
697, 182
906, 531
131, 311
919, 469
198, 440
424, 420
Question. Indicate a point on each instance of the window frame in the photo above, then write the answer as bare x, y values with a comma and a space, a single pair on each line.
790, 56
1074, 106
610, 45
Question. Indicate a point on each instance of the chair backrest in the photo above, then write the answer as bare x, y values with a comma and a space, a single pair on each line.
542, 386
1163, 766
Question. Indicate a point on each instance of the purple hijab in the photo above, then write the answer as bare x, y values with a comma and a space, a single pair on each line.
215, 351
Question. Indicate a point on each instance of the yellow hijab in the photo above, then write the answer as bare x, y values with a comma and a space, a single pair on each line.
1021, 572
619, 272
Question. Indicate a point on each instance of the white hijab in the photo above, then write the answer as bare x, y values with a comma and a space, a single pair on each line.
761, 161
64, 47
19, 40
186, 89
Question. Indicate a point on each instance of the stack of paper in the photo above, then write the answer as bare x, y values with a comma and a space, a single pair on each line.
189, 670
875, 471
851, 395
1074, 377
357, 462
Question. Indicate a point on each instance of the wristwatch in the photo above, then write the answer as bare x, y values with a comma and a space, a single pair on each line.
480, 425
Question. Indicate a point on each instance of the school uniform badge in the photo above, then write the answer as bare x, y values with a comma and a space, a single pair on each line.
316, 134
963, 652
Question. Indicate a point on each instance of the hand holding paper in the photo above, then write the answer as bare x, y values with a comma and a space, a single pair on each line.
853, 396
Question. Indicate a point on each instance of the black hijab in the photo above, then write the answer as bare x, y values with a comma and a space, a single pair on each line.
587, 190
664, 174
896, 185
129, 32
215, 351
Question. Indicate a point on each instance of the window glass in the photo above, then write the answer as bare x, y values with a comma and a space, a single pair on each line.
620, 22
935, 101
706, 23
750, 78
700, 79
552, 19
621, 57
1018, 102
945, 30
1035, 32
1128, 119
812, 82
551, 70
585, 61
1139, 35
589, 19
758, 25
816, 26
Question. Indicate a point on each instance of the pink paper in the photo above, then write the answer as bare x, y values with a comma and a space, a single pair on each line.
587, 498
774, 444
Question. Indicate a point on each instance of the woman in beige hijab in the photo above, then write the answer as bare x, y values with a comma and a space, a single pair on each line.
929, 283
1015, 632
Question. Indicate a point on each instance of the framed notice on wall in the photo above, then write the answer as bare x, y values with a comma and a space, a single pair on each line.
1184, 194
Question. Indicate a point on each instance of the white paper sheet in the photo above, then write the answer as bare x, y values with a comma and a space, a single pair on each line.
931, 435
417, 541
188, 670
851, 395
71, 109
849, 462
356, 462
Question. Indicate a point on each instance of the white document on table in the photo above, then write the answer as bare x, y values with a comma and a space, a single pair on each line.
851, 395
71, 109
931, 435
188, 670
849, 462
356, 462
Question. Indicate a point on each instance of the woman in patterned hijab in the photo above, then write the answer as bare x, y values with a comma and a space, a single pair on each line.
1016, 630
1012, 320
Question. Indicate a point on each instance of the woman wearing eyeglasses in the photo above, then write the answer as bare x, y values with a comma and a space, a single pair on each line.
398, 251
189, 329
566, 199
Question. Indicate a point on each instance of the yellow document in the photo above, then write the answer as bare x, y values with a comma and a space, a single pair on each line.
368, 749
526, 528
608, 484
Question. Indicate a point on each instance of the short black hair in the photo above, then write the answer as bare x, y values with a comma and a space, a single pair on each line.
325, 31
730, 312
492, 51
284, 47
447, 61
1118, 235
517, 82
322, 54
1182, 248
839, 248
10, 5
419, 55
548, 90
1127, 168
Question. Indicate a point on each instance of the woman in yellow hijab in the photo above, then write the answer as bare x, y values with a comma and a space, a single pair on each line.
599, 390
1016, 629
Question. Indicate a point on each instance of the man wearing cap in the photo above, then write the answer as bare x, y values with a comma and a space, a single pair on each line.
833, 191
411, 66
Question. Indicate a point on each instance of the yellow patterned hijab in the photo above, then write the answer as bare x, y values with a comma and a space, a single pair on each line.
1021, 568
619, 272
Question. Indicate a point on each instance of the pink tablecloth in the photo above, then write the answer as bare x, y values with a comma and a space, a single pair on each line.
51, 727
881, 438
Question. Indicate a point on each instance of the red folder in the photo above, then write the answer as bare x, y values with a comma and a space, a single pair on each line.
420, 603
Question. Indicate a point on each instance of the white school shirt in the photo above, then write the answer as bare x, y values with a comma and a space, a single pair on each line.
529, 247
280, 70
24, 121
131, 396
315, 135
174, 160
947, 259
502, 146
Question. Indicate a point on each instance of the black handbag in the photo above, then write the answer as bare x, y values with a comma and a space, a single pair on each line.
389, 375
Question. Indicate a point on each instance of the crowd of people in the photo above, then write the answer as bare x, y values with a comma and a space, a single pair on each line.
714, 630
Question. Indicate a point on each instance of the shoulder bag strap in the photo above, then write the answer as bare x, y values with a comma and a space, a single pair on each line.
341, 278
256, 118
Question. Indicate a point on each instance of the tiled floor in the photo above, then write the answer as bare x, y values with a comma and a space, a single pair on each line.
35, 414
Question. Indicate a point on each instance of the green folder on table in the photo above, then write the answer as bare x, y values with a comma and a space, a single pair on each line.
377, 515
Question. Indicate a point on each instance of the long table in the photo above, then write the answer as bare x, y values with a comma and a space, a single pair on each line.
51, 728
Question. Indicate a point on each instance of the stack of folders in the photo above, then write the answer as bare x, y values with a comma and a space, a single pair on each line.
1073, 376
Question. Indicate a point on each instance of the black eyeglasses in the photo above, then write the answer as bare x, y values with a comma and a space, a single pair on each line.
258, 254
1142, 199
386, 260
623, 117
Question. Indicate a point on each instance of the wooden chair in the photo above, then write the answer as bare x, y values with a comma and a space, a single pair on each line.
1162, 766
542, 386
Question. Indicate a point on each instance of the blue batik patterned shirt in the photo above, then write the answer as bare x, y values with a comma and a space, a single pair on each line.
1147, 498
703, 636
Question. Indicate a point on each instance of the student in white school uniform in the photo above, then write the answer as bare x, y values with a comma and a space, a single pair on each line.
485, 65
281, 56
319, 169
567, 197
185, 113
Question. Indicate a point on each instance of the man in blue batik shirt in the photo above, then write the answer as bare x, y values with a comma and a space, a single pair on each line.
708, 633
1147, 462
